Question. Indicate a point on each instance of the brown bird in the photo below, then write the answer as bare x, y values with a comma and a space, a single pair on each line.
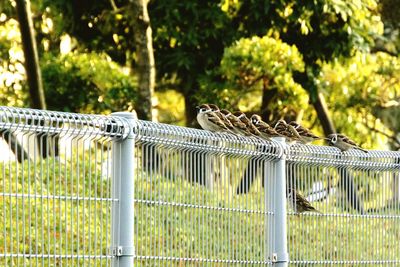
343, 142
238, 125
208, 120
249, 126
304, 135
302, 204
217, 111
265, 129
283, 129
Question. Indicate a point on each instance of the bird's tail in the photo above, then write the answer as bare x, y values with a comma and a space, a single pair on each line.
362, 149
317, 211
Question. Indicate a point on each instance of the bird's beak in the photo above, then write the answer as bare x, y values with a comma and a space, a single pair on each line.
197, 107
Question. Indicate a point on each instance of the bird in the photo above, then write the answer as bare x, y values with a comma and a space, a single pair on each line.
283, 129
250, 128
304, 135
343, 142
302, 204
265, 129
238, 126
217, 111
208, 120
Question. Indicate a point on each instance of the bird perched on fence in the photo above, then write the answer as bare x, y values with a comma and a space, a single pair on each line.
283, 129
250, 128
343, 142
238, 125
209, 120
303, 134
265, 129
221, 116
300, 202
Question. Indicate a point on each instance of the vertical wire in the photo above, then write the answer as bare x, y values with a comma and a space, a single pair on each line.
10, 171
136, 203
54, 178
108, 195
100, 175
48, 197
64, 189
4, 211
22, 202
92, 202
35, 200
84, 207
41, 182
16, 238
61, 182
145, 195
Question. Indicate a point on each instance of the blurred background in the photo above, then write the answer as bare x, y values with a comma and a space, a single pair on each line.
332, 65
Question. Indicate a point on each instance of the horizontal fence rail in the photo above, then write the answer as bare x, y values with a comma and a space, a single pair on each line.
74, 189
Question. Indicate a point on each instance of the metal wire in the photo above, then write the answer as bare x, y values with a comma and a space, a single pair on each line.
357, 194
188, 202
200, 198
55, 196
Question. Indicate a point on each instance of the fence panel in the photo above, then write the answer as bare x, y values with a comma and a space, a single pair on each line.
200, 199
187, 208
358, 195
55, 188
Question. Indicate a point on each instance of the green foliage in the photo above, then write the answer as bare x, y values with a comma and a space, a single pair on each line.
252, 65
250, 60
357, 91
12, 73
87, 82
189, 38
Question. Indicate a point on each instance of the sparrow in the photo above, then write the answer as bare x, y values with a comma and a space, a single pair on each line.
265, 129
283, 129
238, 126
302, 204
343, 142
304, 135
217, 111
208, 120
250, 128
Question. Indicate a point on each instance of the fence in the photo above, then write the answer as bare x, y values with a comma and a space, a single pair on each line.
114, 191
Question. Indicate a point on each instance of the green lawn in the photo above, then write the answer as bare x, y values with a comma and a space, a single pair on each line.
177, 223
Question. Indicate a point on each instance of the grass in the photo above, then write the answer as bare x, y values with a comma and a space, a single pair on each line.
177, 223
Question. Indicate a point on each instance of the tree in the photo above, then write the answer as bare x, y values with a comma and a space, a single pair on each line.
32, 66
145, 57
189, 40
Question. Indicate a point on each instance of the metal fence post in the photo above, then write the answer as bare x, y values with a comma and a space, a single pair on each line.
123, 189
277, 194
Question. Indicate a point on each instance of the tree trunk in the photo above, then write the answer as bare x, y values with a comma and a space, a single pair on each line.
268, 96
190, 106
323, 114
32, 67
253, 164
346, 182
145, 58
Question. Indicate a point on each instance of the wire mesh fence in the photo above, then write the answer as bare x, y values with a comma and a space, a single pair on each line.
55, 188
187, 209
358, 197
199, 198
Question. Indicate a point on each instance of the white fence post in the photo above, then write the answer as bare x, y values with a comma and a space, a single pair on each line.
277, 193
123, 160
